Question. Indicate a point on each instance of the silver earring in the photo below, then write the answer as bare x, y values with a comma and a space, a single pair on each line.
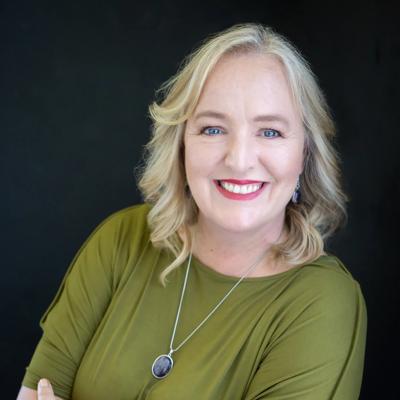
296, 196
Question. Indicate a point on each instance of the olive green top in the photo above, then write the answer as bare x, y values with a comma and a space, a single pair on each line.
299, 334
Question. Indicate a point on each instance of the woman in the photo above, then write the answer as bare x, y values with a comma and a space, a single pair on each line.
218, 287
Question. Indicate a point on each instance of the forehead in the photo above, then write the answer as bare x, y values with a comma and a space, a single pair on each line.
251, 83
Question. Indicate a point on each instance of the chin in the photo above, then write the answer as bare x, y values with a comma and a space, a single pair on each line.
241, 225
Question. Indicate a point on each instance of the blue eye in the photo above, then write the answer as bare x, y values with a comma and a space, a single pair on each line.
211, 131
270, 133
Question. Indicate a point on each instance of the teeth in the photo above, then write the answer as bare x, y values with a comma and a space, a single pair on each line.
240, 189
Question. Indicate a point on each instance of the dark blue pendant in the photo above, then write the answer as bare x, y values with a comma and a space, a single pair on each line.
162, 366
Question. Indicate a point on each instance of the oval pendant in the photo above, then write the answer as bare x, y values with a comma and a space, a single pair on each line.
162, 366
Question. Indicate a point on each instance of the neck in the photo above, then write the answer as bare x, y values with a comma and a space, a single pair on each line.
232, 253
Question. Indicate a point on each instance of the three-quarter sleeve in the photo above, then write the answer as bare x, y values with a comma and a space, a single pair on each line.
319, 352
73, 316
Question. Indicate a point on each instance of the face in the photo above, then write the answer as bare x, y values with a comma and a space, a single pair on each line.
244, 145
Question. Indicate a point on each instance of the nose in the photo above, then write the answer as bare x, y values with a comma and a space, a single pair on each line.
241, 152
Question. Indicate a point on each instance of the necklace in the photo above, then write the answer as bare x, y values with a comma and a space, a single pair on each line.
163, 364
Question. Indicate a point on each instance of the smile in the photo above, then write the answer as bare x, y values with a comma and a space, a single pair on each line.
240, 190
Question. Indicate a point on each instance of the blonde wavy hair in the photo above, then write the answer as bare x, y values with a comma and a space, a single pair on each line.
162, 179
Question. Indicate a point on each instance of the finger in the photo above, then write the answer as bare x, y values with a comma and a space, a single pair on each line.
45, 391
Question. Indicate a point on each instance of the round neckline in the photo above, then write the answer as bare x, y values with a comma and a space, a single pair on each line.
230, 278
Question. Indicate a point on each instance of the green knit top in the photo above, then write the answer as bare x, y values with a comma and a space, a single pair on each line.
299, 334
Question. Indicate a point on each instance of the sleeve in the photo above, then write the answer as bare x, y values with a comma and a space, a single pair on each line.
320, 353
73, 316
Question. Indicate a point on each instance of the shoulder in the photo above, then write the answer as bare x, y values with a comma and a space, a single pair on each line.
326, 286
322, 301
321, 326
327, 273
133, 216
119, 241
125, 224
122, 235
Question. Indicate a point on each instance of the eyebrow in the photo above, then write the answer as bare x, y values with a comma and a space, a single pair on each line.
258, 118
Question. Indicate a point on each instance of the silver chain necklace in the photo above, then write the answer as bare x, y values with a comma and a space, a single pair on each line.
163, 364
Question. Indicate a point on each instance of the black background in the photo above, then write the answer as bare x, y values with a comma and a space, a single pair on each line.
76, 80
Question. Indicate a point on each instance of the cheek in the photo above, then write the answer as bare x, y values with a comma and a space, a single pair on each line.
195, 163
200, 160
283, 162
190, 156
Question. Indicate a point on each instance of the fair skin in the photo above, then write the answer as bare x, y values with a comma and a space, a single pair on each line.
254, 145
44, 392
245, 131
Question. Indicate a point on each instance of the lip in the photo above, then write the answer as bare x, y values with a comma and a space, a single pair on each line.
240, 181
239, 196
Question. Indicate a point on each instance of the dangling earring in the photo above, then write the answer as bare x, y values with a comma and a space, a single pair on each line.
296, 196
188, 193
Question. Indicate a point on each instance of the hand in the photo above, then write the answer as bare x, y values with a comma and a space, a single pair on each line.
45, 391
